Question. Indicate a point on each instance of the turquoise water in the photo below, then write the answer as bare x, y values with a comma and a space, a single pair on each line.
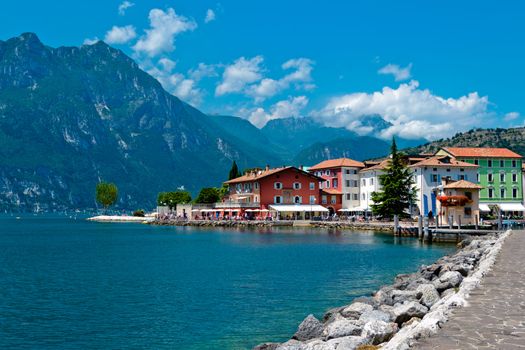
72, 284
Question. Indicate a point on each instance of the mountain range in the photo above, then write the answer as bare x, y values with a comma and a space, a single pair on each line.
73, 116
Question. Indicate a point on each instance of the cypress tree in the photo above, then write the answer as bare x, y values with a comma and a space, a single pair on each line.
234, 171
397, 187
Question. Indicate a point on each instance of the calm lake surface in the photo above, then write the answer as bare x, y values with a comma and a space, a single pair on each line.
72, 284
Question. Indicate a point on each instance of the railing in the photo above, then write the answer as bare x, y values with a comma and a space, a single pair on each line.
239, 205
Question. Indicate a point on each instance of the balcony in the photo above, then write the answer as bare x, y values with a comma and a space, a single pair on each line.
234, 204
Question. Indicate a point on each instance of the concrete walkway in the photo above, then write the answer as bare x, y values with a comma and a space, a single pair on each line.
495, 316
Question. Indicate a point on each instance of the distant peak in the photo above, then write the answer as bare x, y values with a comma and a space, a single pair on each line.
29, 37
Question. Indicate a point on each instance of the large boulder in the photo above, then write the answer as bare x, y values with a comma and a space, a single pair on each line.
347, 343
376, 315
429, 294
355, 310
267, 346
404, 312
308, 329
376, 332
331, 314
449, 279
401, 296
342, 328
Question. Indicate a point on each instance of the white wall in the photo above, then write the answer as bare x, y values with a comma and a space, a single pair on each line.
368, 183
351, 190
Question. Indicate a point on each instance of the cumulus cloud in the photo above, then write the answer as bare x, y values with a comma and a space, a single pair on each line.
176, 83
90, 41
124, 6
203, 70
239, 74
210, 16
413, 112
120, 35
398, 72
511, 116
291, 107
246, 76
165, 26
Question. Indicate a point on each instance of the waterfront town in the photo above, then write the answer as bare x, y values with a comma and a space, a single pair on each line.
456, 185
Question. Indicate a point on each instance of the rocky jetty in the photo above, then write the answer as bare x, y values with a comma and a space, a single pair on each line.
396, 315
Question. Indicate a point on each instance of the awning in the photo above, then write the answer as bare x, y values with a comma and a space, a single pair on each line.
299, 207
511, 207
484, 207
243, 197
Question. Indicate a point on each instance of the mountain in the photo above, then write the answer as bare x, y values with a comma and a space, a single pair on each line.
71, 116
513, 139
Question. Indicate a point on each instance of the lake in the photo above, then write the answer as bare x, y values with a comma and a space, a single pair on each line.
73, 284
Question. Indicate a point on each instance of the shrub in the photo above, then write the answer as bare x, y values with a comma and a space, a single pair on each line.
139, 213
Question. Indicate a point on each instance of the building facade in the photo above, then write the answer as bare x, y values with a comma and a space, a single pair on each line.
499, 174
340, 185
458, 203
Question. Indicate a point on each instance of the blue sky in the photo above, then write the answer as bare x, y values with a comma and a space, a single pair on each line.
429, 68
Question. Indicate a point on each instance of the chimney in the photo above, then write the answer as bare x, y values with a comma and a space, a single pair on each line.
267, 167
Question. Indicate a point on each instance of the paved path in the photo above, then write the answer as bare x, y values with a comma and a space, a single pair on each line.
495, 317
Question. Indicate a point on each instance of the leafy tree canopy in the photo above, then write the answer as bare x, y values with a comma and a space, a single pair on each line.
171, 199
397, 187
209, 195
106, 194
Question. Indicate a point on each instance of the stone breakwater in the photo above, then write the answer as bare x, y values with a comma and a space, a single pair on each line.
221, 223
397, 315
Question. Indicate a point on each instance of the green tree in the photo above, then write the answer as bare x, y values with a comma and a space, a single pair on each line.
106, 194
209, 195
234, 171
171, 199
397, 187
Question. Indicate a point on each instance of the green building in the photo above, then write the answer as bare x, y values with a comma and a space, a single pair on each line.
499, 173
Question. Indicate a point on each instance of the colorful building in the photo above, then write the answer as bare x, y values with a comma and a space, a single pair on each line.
458, 203
499, 173
287, 192
429, 174
340, 185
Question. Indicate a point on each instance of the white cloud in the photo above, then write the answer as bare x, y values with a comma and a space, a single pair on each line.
120, 35
239, 74
124, 6
176, 83
291, 107
210, 16
165, 26
413, 112
90, 41
203, 70
246, 76
398, 72
511, 116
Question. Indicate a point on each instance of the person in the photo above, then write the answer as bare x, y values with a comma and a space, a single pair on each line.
430, 217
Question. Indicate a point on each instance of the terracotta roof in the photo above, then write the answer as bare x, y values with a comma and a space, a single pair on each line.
443, 161
256, 175
462, 184
481, 152
379, 166
331, 191
337, 163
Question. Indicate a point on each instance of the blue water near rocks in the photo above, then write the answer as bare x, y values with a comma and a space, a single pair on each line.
72, 284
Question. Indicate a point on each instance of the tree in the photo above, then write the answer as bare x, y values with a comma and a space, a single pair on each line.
397, 187
209, 195
234, 171
171, 199
106, 194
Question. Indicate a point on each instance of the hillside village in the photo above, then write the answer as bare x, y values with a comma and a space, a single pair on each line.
454, 185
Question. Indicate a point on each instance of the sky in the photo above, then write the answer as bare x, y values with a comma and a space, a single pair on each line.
429, 68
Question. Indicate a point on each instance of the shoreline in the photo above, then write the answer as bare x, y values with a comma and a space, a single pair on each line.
396, 315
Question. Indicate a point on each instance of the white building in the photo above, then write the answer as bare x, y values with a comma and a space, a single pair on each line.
428, 175
368, 183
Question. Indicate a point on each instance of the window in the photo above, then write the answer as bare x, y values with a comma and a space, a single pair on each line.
347, 171
356, 183
468, 195
323, 199
434, 178
277, 185
501, 163
468, 212
364, 182
514, 192
490, 177
489, 163
347, 183
312, 185
297, 199
514, 177
461, 177
256, 185
355, 197
277, 199
327, 172
363, 196
296, 185
347, 196
312, 199
502, 177
514, 163
354, 172
335, 183
502, 192
477, 177
371, 181
333, 200
256, 199
327, 184
461, 169
491, 193
476, 161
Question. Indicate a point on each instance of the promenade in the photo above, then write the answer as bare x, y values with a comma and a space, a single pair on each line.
495, 315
